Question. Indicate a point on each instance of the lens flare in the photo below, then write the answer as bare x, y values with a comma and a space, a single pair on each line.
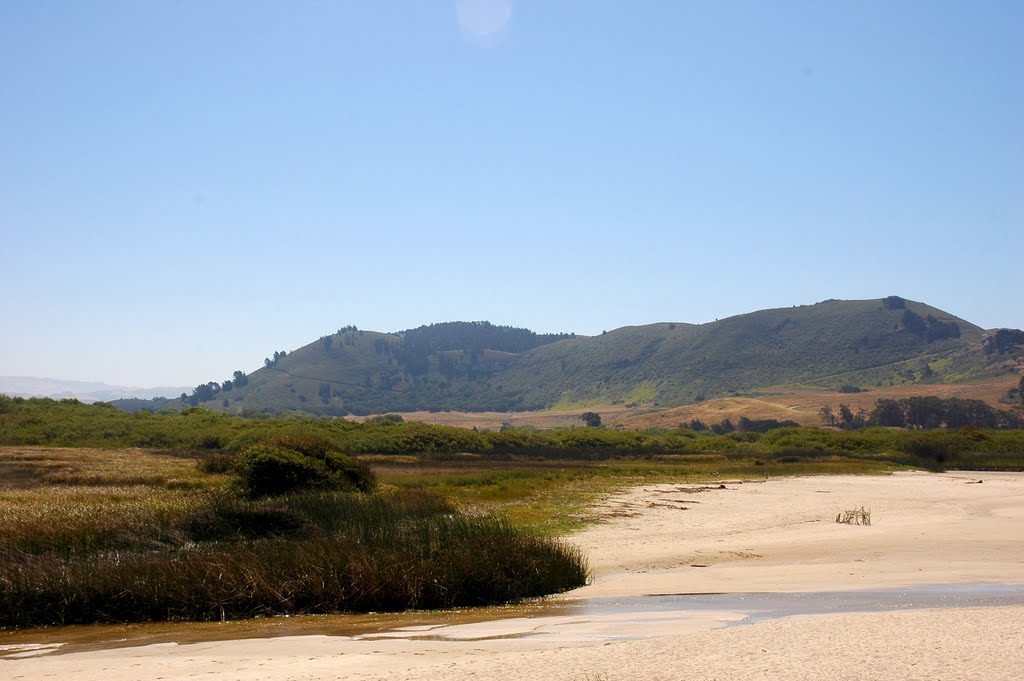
483, 19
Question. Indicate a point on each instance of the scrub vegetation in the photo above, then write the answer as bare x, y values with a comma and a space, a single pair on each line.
224, 558
112, 516
84, 540
68, 423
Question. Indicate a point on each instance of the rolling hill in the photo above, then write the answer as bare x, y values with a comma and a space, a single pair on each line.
477, 366
84, 391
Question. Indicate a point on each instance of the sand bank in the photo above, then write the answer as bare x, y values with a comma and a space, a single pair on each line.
781, 535
770, 536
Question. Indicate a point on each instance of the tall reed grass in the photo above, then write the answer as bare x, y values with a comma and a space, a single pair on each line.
312, 553
62, 520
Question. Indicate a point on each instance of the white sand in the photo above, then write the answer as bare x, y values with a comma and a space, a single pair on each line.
773, 536
782, 535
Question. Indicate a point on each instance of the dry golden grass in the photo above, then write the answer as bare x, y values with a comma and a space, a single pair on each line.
785, 403
85, 498
87, 517
22, 466
493, 420
714, 411
802, 404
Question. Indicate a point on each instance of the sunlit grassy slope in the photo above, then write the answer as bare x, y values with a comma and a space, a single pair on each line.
862, 343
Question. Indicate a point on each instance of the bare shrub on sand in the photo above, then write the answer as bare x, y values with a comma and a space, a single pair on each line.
856, 516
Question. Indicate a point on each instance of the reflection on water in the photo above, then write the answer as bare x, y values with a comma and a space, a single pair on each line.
604, 618
621, 619
766, 606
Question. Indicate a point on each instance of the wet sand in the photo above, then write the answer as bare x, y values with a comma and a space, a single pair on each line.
776, 536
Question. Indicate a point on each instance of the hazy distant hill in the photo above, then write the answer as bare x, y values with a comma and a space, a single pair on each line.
85, 391
476, 366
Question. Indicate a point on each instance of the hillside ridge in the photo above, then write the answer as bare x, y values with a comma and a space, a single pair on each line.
481, 367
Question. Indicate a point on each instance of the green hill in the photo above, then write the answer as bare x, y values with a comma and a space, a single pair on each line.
477, 366
668, 364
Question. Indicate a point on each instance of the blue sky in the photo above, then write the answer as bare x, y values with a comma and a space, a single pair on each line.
187, 186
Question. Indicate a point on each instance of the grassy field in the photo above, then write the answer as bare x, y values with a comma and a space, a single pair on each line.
91, 535
71, 466
802, 404
553, 497
794, 403
134, 534
202, 516
70, 500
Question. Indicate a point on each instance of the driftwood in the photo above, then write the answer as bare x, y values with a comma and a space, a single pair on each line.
857, 516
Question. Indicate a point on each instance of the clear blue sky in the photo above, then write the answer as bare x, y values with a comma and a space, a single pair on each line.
187, 186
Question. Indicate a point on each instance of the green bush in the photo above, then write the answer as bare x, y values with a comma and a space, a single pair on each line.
216, 463
928, 447
304, 443
349, 473
272, 469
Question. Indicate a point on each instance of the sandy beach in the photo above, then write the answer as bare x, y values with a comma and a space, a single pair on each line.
722, 536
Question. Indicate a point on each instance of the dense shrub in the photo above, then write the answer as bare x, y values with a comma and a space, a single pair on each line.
403, 438
273, 469
217, 463
228, 519
926, 446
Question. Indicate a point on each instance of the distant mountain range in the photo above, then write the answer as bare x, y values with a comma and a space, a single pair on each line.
476, 366
84, 391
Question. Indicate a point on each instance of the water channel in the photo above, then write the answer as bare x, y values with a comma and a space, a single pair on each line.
593, 619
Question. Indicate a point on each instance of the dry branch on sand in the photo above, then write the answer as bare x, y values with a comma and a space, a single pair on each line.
856, 516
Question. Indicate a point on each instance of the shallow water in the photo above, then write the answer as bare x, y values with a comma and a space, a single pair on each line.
78, 638
617, 619
766, 606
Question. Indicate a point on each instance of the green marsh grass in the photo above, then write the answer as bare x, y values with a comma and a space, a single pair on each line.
110, 553
553, 498
460, 517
